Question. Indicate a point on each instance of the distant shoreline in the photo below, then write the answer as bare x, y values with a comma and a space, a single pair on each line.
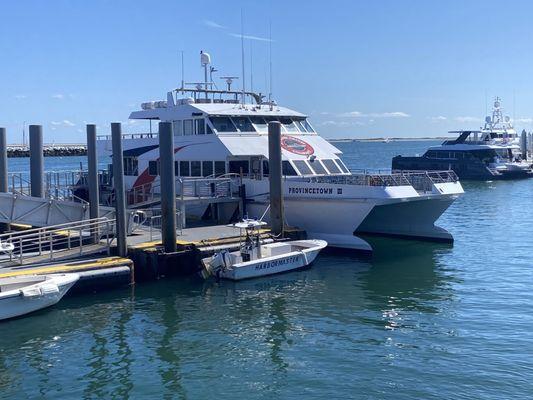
391, 139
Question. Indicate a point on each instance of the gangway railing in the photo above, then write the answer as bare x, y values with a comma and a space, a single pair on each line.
58, 185
69, 240
185, 187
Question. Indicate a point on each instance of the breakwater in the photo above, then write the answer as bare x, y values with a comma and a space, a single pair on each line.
49, 150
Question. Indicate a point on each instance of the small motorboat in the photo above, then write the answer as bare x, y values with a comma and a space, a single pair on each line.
255, 259
24, 294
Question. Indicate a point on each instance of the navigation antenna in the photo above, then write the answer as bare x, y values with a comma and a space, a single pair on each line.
242, 59
182, 71
205, 60
270, 64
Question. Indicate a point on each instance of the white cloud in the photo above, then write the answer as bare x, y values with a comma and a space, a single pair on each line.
438, 118
524, 120
392, 114
58, 96
65, 122
250, 37
20, 96
212, 24
342, 124
467, 119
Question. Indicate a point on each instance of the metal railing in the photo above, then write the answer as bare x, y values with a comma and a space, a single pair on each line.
420, 180
185, 187
155, 223
59, 241
58, 185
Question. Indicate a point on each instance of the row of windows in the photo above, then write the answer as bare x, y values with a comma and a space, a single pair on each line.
259, 124
217, 168
200, 126
191, 168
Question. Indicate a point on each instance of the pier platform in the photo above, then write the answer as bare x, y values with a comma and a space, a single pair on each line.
95, 273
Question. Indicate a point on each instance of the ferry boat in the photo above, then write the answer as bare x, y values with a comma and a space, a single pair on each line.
494, 152
223, 133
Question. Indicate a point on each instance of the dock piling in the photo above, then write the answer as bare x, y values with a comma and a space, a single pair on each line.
92, 158
3, 161
118, 181
168, 186
275, 173
36, 161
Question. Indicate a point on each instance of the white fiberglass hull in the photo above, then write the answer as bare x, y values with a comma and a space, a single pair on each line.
337, 215
275, 264
26, 297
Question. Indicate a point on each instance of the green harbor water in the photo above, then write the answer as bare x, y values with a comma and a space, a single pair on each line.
417, 320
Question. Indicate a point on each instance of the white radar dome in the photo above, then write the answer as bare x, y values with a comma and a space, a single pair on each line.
205, 58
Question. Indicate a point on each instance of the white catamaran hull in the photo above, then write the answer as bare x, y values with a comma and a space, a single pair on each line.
24, 297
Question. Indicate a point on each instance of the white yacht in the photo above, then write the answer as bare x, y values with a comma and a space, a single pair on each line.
223, 132
493, 152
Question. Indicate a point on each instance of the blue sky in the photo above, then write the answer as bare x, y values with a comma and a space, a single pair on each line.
358, 69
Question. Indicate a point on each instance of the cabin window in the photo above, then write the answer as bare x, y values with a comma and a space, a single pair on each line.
317, 167
208, 129
236, 166
176, 168
300, 125
196, 168
185, 168
331, 166
308, 126
207, 168
342, 166
223, 124
260, 124
131, 166
289, 125
153, 168
220, 168
178, 128
200, 126
302, 166
243, 124
188, 127
287, 169
265, 168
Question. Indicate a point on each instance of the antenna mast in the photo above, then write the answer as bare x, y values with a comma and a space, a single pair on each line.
270, 63
242, 58
182, 71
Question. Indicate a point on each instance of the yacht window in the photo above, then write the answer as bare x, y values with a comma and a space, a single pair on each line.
196, 168
302, 166
287, 169
153, 168
243, 124
223, 124
178, 128
208, 129
342, 166
236, 166
131, 166
308, 126
266, 169
184, 168
220, 168
260, 124
289, 125
317, 167
187, 127
332, 167
176, 168
300, 125
200, 126
207, 168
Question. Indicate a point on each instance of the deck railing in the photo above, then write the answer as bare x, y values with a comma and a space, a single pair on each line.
73, 239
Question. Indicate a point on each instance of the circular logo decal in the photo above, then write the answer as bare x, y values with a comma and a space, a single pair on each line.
296, 146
